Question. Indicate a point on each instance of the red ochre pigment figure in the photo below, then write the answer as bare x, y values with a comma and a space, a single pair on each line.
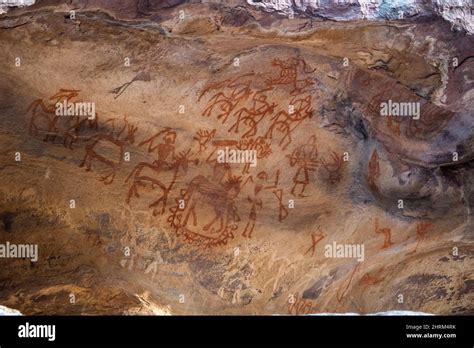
44, 120
369, 279
224, 102
167, 165
422, 229
333, 167
285, 122
373, 171
251, 118
346, 285
316, 238
125, 136
305, 158
432, 122
213, 198
203, 137
386, 233
261, 145
282, 211
148, 175
292, 72
250, 106
260, 184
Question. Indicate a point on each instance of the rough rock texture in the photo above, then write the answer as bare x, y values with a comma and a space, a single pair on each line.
131, 211
5, 5
458, 12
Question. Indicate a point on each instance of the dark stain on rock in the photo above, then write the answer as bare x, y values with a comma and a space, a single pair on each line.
276, 294
104, 220
8, 219
237, 17
315, 290
208, 273
461, 310
424, 279
424, 288
468, 287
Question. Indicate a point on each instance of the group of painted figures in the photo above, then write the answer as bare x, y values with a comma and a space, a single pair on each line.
204, 209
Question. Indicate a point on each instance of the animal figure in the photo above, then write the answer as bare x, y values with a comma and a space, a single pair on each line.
103, 144
68, 128
251, 117
292, 72
286, 122
210, 215
151, 174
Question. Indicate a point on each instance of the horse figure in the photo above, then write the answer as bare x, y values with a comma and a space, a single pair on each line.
146, 173
231, 94
292, 71
100, 146
286, 122
253, 116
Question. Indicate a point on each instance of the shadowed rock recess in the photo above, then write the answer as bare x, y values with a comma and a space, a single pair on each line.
232, 157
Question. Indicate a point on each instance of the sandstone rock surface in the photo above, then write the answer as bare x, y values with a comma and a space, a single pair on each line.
133, 214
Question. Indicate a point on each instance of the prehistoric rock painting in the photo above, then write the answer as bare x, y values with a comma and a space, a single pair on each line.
432, 121
386, 232
260, 184
216, 144
374, 171
39, 105
101, 145
432, 118
260, 145
370, 279
282, 211
167, 221
250, 105
305, 158
203, 137
142, 76
285, 122
315, 239
344, 288
250, 118
231, 93
422, 229
162, 172
151, 174
333, 167
44, 120
293, 72
394, 125
209, 217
